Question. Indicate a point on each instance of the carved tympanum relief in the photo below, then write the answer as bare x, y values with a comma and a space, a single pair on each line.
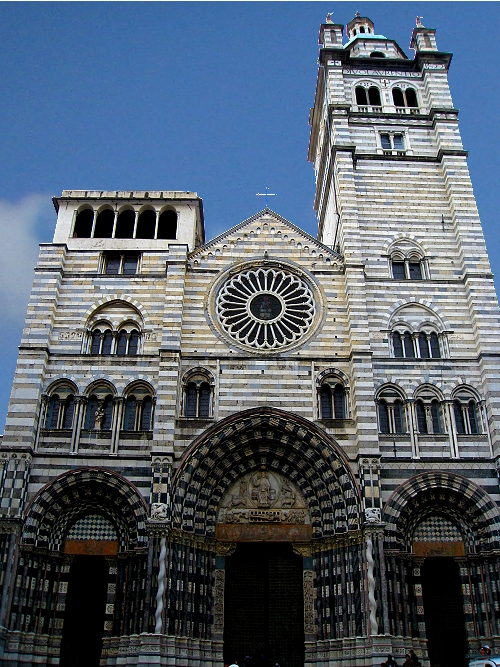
263, 497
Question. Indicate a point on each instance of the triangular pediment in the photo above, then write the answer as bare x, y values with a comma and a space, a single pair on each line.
266, 234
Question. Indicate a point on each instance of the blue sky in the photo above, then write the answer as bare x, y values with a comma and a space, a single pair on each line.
211, 97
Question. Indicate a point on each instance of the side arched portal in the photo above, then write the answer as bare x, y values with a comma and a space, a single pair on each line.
83, 560
442, 540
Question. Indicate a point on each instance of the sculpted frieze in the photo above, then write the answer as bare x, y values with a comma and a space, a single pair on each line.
263, 496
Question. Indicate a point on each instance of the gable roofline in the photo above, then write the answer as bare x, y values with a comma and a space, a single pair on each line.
278, 217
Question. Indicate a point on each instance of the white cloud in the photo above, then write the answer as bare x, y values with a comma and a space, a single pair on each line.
23, 225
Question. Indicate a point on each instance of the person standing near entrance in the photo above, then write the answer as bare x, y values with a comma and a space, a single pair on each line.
414, 657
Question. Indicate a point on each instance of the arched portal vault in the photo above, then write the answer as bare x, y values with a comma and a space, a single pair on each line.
445, 494
273, 440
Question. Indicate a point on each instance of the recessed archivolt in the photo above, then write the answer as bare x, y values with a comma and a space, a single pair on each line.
442, 493
332, 372
59, 381
388, 386
279, 441
431, 387
97, 311
433, 315
198, 370
71, 496
405, 240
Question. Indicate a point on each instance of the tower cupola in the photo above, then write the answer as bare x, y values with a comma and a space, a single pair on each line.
360, 25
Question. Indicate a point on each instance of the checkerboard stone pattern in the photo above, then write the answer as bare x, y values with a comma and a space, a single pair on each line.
92, 527
436, 529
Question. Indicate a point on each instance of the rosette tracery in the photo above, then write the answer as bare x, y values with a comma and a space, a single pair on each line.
265, 308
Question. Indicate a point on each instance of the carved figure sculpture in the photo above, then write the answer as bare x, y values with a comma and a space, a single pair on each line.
99, 416
262, 491
287, 494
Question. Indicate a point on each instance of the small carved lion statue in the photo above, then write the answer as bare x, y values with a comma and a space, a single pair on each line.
372, 515
159, 512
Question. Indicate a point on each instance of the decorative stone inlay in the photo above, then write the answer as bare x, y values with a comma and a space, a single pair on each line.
265, 308
219, 601
263, 497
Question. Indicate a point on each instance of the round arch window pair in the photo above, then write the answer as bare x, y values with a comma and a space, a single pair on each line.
265, 308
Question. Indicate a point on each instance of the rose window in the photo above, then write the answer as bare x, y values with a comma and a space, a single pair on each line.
265, 308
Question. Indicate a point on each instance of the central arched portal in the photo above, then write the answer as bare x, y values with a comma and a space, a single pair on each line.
264, 515
276, 500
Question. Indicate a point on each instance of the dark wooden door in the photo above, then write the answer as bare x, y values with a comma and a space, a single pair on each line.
83, 628
444, 613
264, 607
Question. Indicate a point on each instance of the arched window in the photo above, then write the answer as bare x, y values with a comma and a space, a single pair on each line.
91, 412
130, 414
122, 343
332, 397
361, 98
459, 417
126, 343
83, 224
428, 411
436, 416
403, 100
383, 417
68, 412
107, 342
435, 349
138, 412
146, 225
167, 225
133, 343
423, 346
125, 224
104, 224
147, 414
61, 408
397, 345
198, 393
421, 418
467, 413
407, 268
204, 401
53, 412
426, 346
472, 414
374, 96
391, 412
409, 348
377, 54
398, 417
326, 402
411, 98
107, 418
191, 400
398, 97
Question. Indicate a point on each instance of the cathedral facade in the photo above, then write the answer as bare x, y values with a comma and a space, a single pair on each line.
267, 447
